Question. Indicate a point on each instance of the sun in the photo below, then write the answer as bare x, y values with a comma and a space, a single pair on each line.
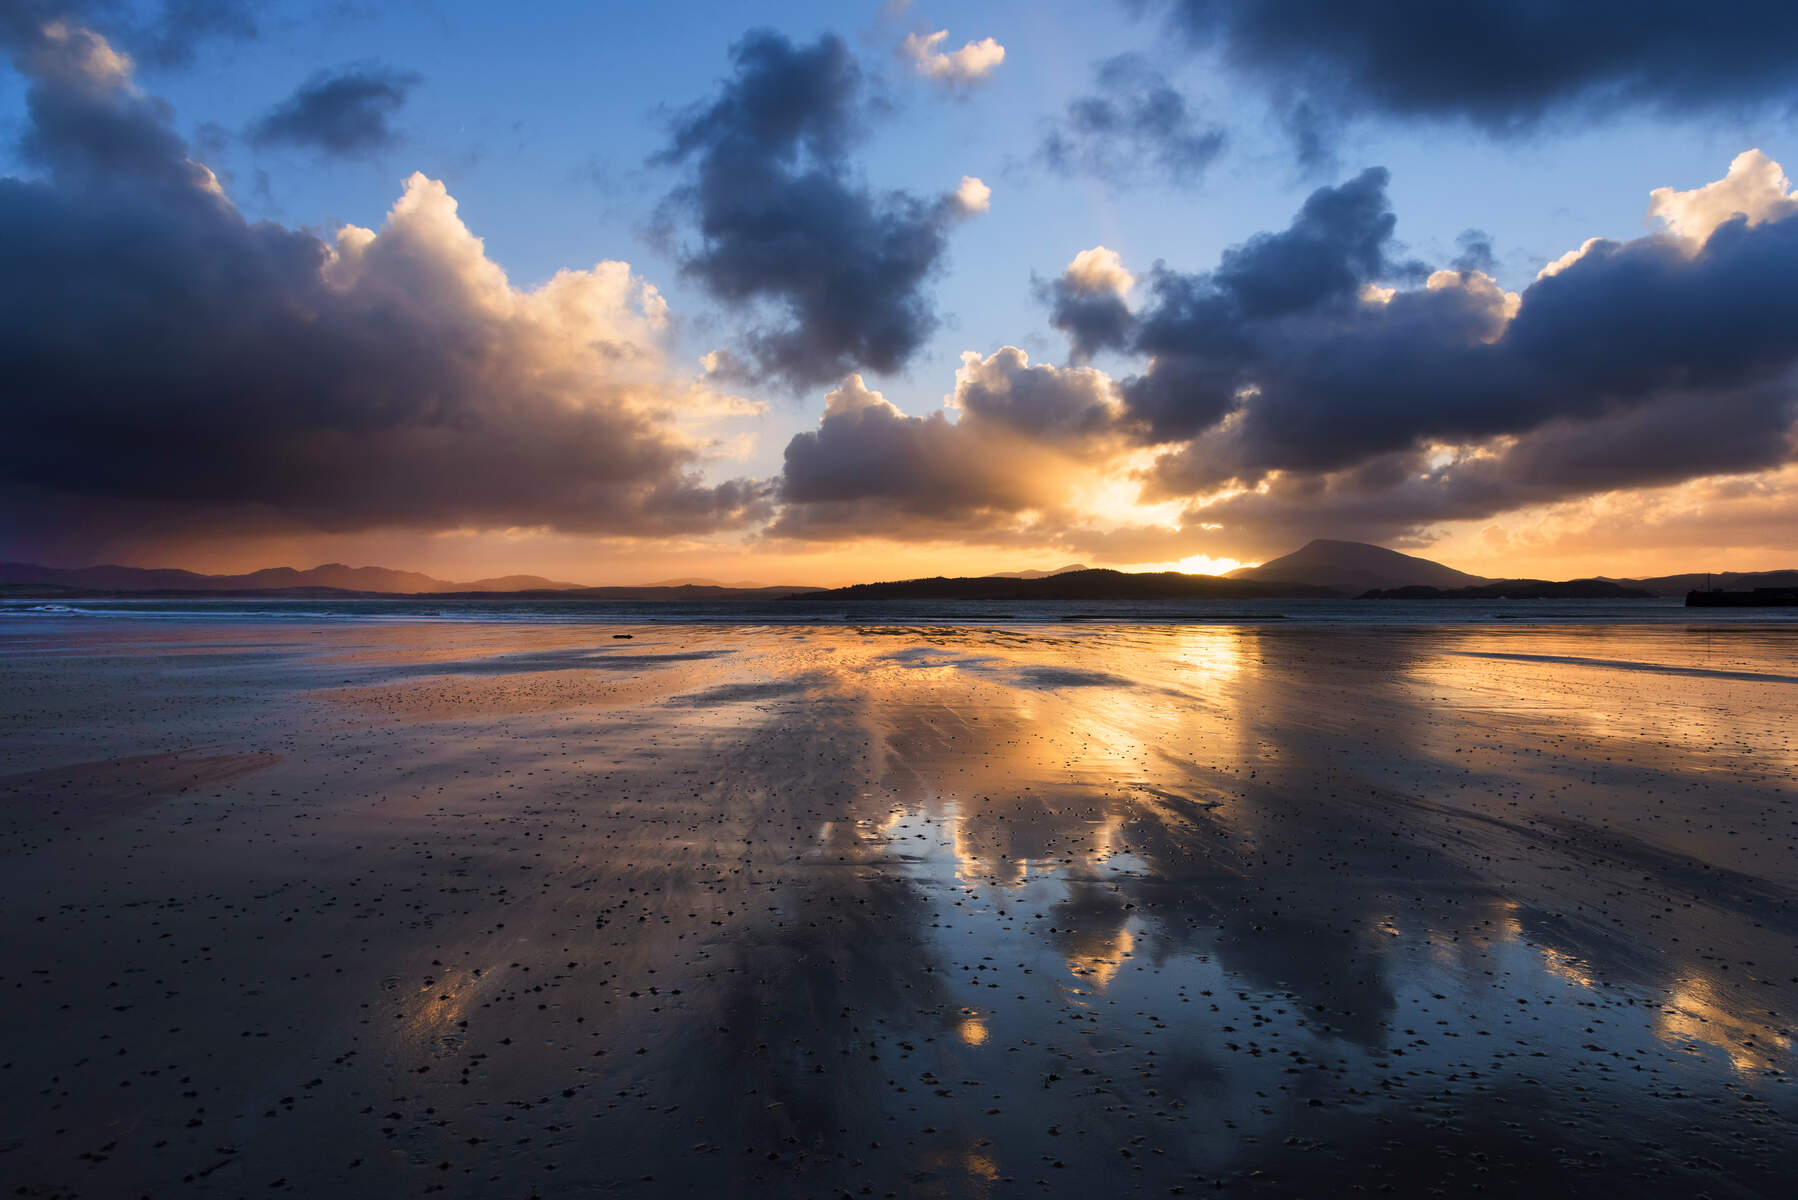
1197, 564
1204, 564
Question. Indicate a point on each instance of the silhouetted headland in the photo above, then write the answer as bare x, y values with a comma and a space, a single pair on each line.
1093, 584
1762, 597
1517, 589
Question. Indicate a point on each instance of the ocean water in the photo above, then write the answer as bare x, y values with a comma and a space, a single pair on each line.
1659, 611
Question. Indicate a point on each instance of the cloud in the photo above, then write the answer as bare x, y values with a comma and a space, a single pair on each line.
1624, 324
1501, 66
1398, 496
1318, 382
1476, 252
173, 365
165, 34
169, 37
973, 63
1202, 330
1025, 434
1135, 123
1756, 189
1293, 391
973, 196
785, 229
1074, 407
90, 126
872, 469
344, 112
1088, 302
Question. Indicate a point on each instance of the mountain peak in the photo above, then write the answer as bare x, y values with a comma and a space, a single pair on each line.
1356, 567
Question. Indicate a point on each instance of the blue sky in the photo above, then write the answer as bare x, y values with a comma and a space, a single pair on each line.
543, 122
542, 118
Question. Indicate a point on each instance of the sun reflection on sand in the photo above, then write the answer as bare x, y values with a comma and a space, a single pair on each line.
1209, 654
972, 1028
1097, 955
1363, 883
1693, 1012
436, 1009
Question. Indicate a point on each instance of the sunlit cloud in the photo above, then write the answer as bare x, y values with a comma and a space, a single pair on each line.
974, 63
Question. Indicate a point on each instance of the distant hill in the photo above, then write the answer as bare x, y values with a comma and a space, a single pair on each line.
1039, 574
330, 575
1356, 567
1088, 584
1322, 567
677, 593
744, 585
1517, 589
1734, 581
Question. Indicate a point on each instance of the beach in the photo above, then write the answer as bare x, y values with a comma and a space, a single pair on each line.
510, 909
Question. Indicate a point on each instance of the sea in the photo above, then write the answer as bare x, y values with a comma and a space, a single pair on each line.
1326, 612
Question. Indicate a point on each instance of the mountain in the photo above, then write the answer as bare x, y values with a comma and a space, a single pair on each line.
1356, 567
329, 575
1039, 574
1088, 584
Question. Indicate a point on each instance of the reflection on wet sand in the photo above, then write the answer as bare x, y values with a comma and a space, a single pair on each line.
942, 911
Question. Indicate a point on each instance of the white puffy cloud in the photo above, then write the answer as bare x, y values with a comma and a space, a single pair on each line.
973, 196
853, 395
1755, 188
1098, 270
1568, 259
974, 63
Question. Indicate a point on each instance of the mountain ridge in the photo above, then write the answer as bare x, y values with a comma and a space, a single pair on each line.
337, 576
1323, 566
1038, 574
1093, 583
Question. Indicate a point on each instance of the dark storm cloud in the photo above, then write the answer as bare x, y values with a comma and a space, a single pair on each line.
1203, 331
1627, 365
784, 226
166, 359
346, 112
1505, 66
89, 130
1093, 320
1346, 390
1135, 122
1621, 327
1087, 302
1312, 128
164, 33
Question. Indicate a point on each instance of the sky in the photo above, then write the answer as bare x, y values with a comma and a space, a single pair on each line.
837, 291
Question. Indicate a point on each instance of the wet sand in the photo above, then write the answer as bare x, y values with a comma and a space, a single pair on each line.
488, 910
